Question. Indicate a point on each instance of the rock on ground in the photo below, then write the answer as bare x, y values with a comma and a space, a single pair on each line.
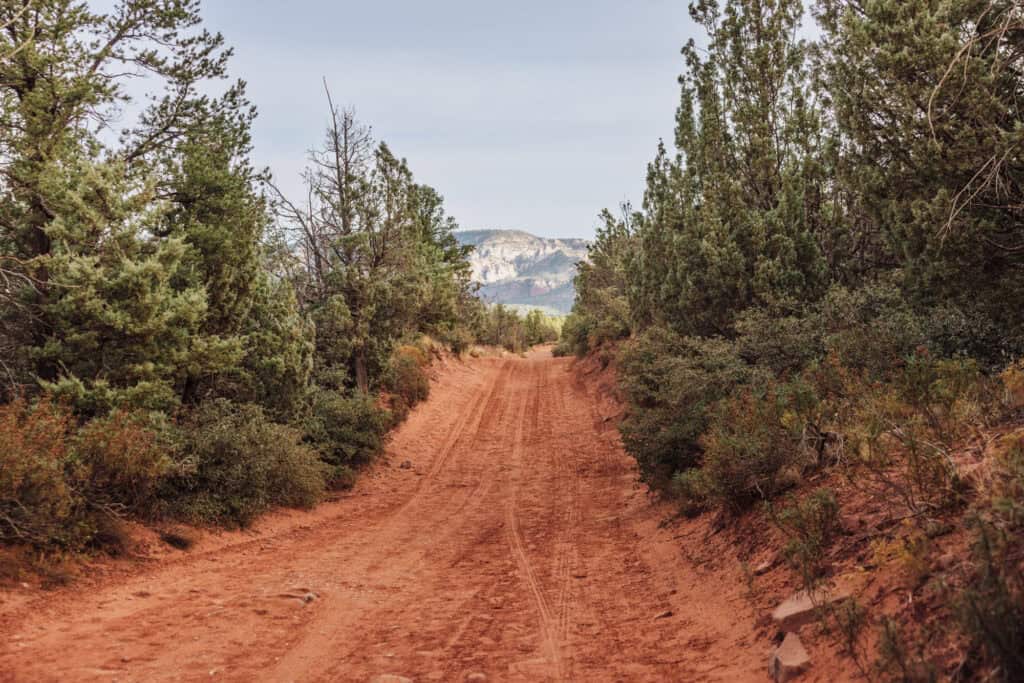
801, 607
789, 659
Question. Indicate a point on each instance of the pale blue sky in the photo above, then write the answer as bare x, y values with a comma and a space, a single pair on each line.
528, 114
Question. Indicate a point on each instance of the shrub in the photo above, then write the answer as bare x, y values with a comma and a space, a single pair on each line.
901, 432
991, 609
119, 462
236, 464
1007, 501
751, 439
872, 328
945, 393
349, 431
37, 504
671, 383
459, 339
406, 378
783, 343
692, 489
575, 337
1013, 383
811, 525
64, 486
900, 659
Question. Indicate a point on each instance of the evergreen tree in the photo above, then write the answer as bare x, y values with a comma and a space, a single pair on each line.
927, 99
106, 306
379, 259
733, 219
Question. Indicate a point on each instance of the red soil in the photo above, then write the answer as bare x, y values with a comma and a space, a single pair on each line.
519, 545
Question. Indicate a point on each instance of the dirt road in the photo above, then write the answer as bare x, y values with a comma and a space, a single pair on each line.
517, 545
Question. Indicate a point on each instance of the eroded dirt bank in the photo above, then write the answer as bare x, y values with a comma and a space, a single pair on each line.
518, 545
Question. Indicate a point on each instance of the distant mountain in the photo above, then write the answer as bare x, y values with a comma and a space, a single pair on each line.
522, 270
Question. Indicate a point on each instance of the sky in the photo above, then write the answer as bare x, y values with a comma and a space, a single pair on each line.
526, 114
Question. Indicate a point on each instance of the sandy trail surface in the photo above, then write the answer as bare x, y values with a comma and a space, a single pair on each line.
518, 545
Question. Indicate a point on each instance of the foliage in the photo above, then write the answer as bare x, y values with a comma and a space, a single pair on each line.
407, 380
235, 464
826, 271
155, 288
901, 433
348, 430
671, 384
119, 461
871, 328
503, 326
811, 525
751, 440
61, 485
926, 97
377, 261
990, 609
38, 503
575, 337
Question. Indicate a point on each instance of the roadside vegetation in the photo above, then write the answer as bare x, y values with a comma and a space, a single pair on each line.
180, 340
823, 285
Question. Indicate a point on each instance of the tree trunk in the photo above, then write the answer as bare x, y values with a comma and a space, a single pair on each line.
362, 376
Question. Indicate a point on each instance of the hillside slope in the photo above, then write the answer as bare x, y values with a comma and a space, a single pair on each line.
520, 269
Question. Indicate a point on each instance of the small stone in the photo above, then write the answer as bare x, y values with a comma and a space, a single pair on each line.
801, 607
407, 465
390, 678
789, 659
476, 678
309, 597
664, 615
764, 567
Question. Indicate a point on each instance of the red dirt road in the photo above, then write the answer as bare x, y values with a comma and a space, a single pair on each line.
518, 545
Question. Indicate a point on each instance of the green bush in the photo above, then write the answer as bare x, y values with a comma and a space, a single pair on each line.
991, 609
671, 384
783, 343
119, 461
575, 337
459, 339
751, 440
38, 506
811, 525
1007, 500
236, 464
348, 431
872, 328
900, 433
693, 490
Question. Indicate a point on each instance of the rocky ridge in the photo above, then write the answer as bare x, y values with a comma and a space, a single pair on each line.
522, 270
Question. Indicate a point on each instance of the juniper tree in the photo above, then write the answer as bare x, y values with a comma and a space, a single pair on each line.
108, 308
379, 260
732, 219
927, 98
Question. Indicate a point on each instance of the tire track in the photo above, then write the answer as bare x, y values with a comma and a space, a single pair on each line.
519, 546
548, 622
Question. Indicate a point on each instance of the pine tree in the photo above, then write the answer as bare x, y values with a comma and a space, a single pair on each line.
733, 220
108, 309
379, 260
927, 98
